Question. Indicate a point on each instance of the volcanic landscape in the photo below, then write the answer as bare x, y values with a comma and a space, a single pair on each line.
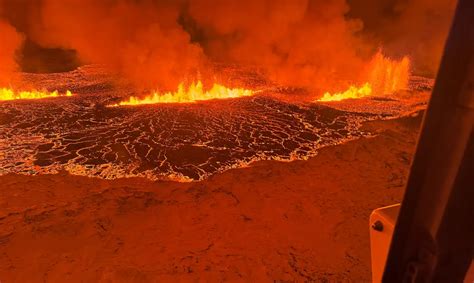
83, 135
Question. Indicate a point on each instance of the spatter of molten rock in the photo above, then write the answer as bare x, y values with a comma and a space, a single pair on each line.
386, 76
195, 92
352, 93
10, 94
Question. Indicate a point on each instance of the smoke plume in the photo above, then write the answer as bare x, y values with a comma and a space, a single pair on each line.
140, 39
297, 42
320, 44
10, 42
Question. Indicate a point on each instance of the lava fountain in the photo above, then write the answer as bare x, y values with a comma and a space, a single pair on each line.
10, 94
195, 92
386, 77
352, 93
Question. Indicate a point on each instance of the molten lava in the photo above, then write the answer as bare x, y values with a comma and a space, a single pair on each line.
352, 93
10, 94
195, 92
388, 76
385, 77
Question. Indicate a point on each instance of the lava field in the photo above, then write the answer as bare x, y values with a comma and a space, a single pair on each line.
184, 142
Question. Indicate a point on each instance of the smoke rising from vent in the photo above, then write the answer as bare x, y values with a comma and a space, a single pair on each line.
158, 44
298, 43
10, 42
139, 39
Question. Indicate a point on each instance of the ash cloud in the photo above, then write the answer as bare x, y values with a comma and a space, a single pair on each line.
320, 44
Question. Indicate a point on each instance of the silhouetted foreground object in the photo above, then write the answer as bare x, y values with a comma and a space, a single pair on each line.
433, 239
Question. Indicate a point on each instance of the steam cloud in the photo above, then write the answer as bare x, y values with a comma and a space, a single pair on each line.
160, 43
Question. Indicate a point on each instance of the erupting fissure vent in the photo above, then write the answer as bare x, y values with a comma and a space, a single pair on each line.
352, 93
10, 94
386, 76
195, 92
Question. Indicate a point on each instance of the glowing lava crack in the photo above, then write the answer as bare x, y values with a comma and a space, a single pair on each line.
195, 92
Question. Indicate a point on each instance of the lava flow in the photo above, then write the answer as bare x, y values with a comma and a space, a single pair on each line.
195, 92
352, 93
10, 94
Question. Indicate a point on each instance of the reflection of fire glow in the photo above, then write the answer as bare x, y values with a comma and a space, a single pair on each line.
9, 94
195, 92
352, 93
386, 76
